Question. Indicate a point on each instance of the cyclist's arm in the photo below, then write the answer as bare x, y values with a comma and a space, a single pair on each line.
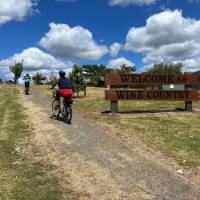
54, 85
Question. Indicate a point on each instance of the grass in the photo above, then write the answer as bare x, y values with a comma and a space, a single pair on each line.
176, 135
21, 175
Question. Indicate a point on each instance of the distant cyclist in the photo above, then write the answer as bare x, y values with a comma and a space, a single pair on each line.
27, 81
63, 85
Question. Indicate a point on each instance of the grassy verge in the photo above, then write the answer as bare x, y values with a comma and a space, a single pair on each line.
21, 175
176, 135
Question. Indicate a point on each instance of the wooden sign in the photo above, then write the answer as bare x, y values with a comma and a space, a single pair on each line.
118, 79
115, 95
121, 80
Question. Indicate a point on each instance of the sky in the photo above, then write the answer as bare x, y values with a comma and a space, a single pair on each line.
52, 35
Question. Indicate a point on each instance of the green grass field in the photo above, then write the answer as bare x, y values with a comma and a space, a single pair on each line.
176, 135
22, 177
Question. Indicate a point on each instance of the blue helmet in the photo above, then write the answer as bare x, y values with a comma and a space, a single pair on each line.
62, 73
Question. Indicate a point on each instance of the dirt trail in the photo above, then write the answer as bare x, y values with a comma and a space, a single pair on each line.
100, 166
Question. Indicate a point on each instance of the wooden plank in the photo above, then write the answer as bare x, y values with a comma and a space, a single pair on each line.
119, 79
115, 95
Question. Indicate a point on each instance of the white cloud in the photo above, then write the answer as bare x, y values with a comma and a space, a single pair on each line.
35, 60
74, 43
167, 36
117, 63
5, 73
114, 49
190, 65
131, 2
15, 9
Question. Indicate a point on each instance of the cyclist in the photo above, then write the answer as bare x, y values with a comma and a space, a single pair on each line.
63, 85
27, 81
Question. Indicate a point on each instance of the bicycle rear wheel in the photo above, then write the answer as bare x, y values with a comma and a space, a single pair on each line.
56, 108
26, 91
67, 114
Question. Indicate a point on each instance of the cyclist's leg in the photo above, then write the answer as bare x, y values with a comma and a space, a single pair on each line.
28, 86
25, 87
57, 95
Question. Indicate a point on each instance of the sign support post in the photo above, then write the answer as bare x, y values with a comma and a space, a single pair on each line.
114, 107
188, 104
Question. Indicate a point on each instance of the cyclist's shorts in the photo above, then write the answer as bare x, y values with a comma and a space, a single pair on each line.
27, 81
27, 84
65, 93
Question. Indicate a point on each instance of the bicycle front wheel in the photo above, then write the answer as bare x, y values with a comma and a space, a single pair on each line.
56, 108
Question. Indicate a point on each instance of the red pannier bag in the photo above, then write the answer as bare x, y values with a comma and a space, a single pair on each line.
66, 93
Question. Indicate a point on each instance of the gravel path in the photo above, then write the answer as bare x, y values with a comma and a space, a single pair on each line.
104, 166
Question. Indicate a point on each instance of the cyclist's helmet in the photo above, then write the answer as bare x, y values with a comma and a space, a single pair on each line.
61, 73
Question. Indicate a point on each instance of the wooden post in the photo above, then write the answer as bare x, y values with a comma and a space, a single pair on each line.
114, 107
188, 104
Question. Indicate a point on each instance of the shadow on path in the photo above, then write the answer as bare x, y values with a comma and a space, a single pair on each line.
60, 119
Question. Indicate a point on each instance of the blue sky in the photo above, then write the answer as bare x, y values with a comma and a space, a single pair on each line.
50, 35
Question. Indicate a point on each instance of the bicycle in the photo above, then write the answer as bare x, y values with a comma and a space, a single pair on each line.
63, 107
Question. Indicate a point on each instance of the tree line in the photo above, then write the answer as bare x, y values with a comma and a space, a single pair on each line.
81, 76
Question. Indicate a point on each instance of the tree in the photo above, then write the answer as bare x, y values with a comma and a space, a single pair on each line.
166, 68
76, 79
123, 69
38, 78
94, 72
52, 78
126, 69
17, 70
